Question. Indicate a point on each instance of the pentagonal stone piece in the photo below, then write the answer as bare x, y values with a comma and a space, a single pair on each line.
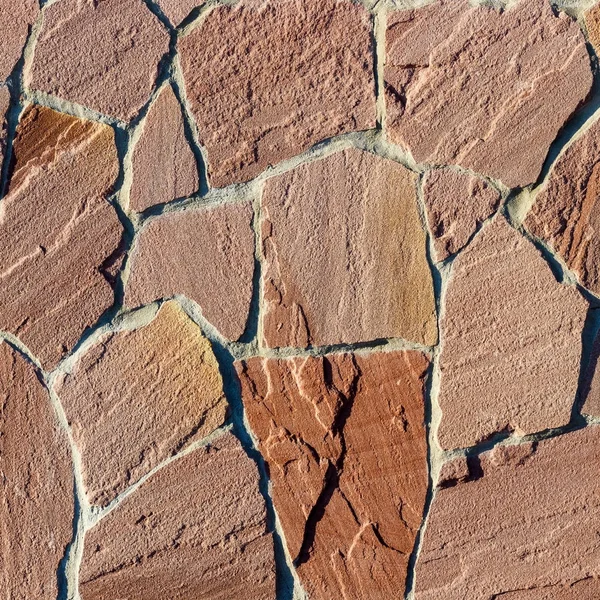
16, 19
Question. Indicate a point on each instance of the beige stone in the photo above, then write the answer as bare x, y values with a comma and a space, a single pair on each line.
16, 19
178, 10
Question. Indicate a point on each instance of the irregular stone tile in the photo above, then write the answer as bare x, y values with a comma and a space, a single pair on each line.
137, 397
470, 85
4, 104
164, 166
206, 255
591, 382
511, 341
262, 92
566, 214
592, 24
16, 19
36, 484
53, 286
345, 254
457, 204
523, 527
103, 55
178, 10
344, 439
195, 530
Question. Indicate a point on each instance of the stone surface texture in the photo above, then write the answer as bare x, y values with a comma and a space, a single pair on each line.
138, 397
264, 85
343, 436
592, 24
16, 19
178, 10
206, 255
345, 254
511, 341
469, 85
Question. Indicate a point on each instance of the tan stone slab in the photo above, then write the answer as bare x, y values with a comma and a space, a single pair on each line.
16, 19
178, 10
592, 24
195, 530
268, 80
138, 397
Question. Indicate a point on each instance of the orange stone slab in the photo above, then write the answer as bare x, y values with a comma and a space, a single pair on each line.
16, 19
592, 24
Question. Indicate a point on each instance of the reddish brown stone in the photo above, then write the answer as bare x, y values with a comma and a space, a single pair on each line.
16, 19
178, 10
103, 55
267, 80
57, 231
457, 204
591, 383
471, 85
345, 254
344, 438
511, 341
206, 255
138, 397
36, 484
4, 103
592, 24
195, 530
164, 166
523, 527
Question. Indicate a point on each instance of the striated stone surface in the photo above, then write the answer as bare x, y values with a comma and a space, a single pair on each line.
52, 280
178, 10
103, 55
36, 484
592, 24
345, 254
267, 80
137, 397
469, 85
205, 254
195, 530
457, 204
511, 341
566, 213
164, 166
344, 439
523, 527
4, 104
16, 19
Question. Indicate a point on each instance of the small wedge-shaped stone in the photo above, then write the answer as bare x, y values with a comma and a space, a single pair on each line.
57, 232
16, 19
523, 526
137, 397
344, 439
178, 10
206, 255
4, 104
267, 80
566, 213
103, 55
484, 88
345, 254
195, 530
164, 166
36, 484
457, 204
511, 341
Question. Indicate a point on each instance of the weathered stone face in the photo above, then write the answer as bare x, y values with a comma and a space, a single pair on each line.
16, 19
592, 24
177, 10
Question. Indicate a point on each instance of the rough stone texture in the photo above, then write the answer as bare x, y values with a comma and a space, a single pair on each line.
267, 80
206, 255
592, 24
511, 341
103, 55
164, 166
345, 254
566, 213
178, 10
36, 484
196, 530
16, 19
52, 281
137, 397
524, 527
591, 383
469, 85
4, 104
344, 439
457, 204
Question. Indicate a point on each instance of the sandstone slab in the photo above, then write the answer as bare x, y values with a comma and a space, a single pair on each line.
511, 341
52, 282
457, 204
470, 85
592, 24
16, 19
523, 527
344, 439
195, 530
178, 10
267, 80
591, 383
102, 55
164, 166
206, 255
36, 484
345, 254
4, 104
138, 397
